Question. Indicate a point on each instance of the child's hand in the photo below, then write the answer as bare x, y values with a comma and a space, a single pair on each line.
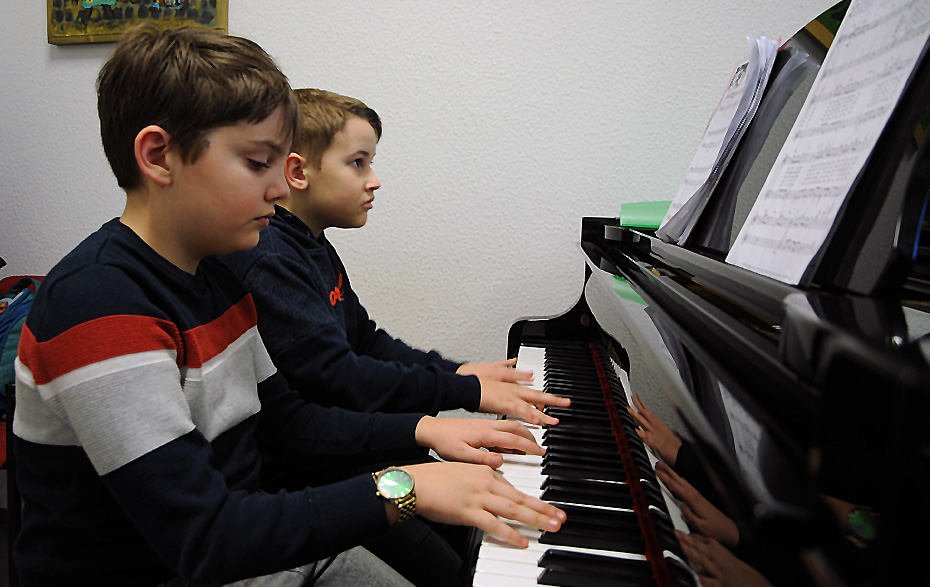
461, 439
496, 371
654, 432
700, 514
474, 495
520, 401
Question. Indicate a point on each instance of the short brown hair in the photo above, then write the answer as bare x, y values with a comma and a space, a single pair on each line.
187, 81
322, 115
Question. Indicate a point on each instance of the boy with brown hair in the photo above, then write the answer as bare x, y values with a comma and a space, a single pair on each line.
144, 392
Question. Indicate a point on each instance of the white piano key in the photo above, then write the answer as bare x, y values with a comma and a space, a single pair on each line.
532, 359
494, 549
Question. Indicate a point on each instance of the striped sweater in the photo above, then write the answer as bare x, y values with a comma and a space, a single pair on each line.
144, 400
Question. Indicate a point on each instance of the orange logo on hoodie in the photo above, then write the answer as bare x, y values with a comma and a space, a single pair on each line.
336, 294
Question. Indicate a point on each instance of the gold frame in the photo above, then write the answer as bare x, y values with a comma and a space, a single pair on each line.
106, 19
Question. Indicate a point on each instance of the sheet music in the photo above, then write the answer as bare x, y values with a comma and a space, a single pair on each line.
861, 80
792, 68
726, 126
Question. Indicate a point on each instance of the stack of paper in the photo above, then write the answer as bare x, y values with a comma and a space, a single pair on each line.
734, 113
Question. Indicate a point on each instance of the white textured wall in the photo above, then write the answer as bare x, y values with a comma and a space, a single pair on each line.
504, 124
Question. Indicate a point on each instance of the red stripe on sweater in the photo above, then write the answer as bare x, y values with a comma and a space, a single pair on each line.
116, 336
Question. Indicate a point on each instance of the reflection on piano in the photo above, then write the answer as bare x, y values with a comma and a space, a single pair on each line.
794, 398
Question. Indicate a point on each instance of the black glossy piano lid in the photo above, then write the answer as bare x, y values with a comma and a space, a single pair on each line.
835, 381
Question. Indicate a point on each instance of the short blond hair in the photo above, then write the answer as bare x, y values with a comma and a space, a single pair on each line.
322, 115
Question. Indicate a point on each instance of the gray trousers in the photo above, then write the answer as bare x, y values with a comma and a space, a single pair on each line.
353, 567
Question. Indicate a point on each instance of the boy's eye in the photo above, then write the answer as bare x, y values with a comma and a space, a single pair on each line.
258, 164
358, 163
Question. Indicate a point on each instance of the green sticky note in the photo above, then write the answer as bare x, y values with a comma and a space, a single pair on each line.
644, 214
625, 291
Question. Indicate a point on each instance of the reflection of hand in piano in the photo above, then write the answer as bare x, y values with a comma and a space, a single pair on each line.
655, 434
700, 514
719, 566
461, 439
475, 495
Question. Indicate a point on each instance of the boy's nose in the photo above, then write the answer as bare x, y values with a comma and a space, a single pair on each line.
278, 189
374, 183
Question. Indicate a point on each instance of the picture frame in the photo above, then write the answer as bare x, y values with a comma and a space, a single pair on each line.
103, 21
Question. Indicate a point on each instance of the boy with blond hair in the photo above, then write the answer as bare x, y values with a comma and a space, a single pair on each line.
317, 331
144, 391
321, 337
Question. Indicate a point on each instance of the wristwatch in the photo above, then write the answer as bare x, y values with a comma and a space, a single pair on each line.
396, 485
863, 526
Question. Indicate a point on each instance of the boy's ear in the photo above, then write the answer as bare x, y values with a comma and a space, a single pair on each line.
151, 149
294, 172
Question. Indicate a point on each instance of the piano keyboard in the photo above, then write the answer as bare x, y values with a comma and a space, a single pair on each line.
601, 543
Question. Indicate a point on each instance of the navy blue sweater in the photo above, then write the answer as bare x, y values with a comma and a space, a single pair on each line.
322, 339
144, 399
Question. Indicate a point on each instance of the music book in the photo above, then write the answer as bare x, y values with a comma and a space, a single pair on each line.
859, 84
732, 116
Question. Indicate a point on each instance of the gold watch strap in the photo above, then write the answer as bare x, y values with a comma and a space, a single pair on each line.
407, 506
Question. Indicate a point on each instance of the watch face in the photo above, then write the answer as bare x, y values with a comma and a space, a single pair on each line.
395, 483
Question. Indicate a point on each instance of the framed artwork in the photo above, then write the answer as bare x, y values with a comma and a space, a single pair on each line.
103, 21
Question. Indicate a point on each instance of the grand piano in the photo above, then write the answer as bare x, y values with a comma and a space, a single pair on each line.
806, 407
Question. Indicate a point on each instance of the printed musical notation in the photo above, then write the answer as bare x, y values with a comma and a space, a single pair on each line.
859, 84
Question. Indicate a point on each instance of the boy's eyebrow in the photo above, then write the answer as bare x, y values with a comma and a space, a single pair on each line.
277, 147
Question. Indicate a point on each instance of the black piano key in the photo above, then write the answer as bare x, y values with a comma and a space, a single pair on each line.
579, 413
570, 569
597, 493
595, 463
625, 539
642, 462
587, 527
561, 455
570, 444
576, 431
588, 403
653, 493
585, 471
681, 574
628, 419
596, 426
556, 456
575, 394
669, 542
637, 446
586, 468
584, 374
569, 386
582, 369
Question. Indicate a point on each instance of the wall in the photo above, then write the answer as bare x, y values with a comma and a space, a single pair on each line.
504, 124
